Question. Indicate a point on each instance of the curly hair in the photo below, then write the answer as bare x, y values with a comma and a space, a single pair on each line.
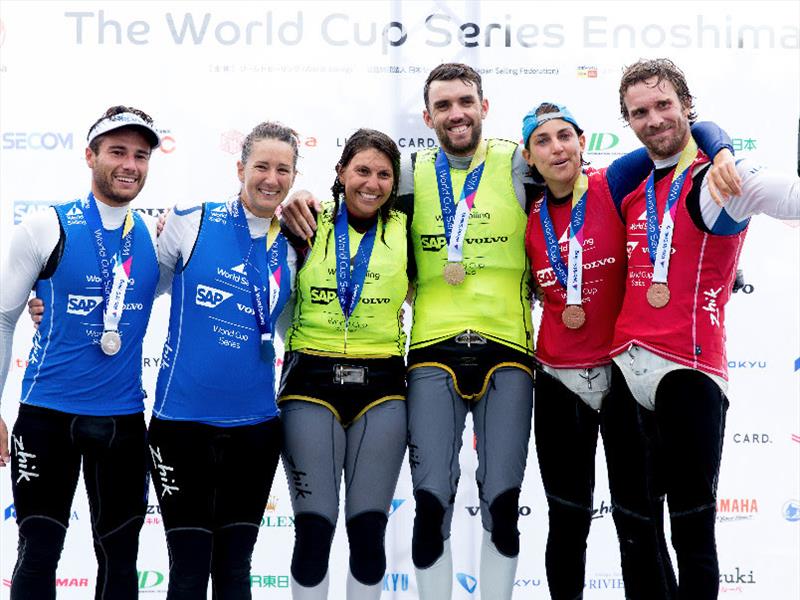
662, 69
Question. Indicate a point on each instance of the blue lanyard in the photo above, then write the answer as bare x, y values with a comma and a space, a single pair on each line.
577, 218
350, 284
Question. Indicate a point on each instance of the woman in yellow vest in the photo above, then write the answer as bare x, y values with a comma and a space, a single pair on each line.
342, 397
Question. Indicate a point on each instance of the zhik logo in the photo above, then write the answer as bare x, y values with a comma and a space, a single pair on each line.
210, 297
82, 305
468, 582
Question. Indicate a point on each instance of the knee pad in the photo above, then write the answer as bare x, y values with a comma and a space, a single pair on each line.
365, 534
427, 542
505, 515
313, 535
232, 552
189, 560
41, 541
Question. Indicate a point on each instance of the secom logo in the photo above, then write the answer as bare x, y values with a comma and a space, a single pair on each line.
791, 511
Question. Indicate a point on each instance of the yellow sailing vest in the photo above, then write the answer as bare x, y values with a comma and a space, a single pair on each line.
494, 299
375, 327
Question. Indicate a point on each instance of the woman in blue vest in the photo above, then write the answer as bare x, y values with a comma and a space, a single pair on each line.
215, 437
343, 391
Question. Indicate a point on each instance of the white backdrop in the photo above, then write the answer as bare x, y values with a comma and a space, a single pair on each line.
209, 71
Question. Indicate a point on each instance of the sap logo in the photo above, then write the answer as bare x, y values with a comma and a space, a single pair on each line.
751, 438
210, 297
600, 142
747, 364
395, 582
72, 582
396, 503
321, 295
737, 577
432, 243
149, 579
468, 582
523, 511
9, 513
791, 511
20, 140
527, 582
82, 305
375, 300
22, 209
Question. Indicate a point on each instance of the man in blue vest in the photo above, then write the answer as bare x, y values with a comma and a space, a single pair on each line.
93, 262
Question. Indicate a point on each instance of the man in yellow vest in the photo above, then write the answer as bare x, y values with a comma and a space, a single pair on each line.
471, 338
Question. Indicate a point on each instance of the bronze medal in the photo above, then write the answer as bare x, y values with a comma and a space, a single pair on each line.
658, 295
573, 316
454, 273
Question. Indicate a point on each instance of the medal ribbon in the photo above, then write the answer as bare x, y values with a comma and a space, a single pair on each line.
456, 216
570, 277
350, 283
277, 249
660, 243
115, 271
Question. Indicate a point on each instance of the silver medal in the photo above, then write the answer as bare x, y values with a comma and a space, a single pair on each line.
110, 342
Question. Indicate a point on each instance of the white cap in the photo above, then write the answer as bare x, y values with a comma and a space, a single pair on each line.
124, 119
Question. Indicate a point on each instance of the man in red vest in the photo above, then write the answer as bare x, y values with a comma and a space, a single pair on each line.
663, 423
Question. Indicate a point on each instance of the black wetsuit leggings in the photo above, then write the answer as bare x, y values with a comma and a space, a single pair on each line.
212, 484
47, 449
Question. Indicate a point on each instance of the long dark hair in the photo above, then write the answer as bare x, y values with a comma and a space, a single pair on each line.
364, 139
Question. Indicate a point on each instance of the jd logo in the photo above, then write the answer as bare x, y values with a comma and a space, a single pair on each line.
320, 295
432, 243
600, 142
468, 582
82, 305
149, 579
210, 297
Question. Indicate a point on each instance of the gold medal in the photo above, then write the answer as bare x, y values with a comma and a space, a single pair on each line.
573, 316
110, 342
454, 273
658, 295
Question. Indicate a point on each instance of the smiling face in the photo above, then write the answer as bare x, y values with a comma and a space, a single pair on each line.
119, 167
267, 176
555, 148
455, 113
368, 180
657, 117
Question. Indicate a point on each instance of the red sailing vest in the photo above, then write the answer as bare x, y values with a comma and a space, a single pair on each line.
690, 329
603, 279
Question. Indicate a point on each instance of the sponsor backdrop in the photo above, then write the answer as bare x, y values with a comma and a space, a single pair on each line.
209, 71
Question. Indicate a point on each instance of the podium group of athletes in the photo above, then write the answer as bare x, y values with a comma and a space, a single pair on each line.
633, 265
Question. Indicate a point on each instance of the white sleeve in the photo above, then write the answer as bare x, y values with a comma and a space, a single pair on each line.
763, 191
177, 240
32, 243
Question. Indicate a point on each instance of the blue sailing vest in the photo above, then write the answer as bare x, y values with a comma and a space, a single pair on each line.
211, 370
67, 371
